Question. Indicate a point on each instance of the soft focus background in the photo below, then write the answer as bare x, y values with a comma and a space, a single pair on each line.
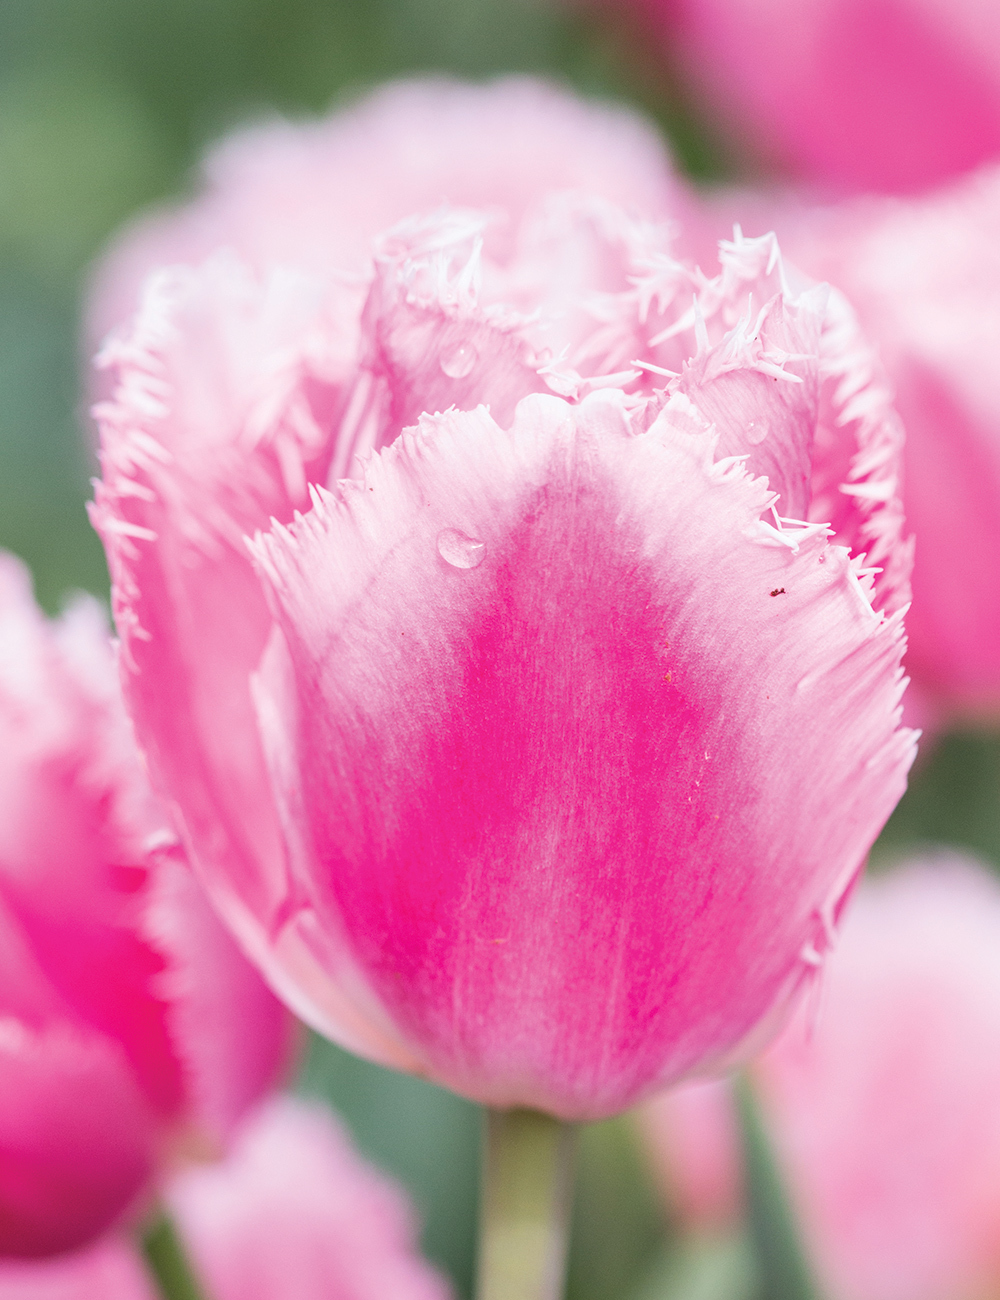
104, 107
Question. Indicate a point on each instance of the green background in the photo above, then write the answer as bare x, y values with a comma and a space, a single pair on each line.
104, 107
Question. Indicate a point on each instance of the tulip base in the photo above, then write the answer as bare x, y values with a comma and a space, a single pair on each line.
167, 1260
525, 1205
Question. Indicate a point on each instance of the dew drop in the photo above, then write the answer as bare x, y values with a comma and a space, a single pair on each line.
757, 431
460, 551
458, 363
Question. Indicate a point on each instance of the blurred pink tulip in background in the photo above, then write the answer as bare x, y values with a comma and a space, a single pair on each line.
110, 1269
295, 1214
312, 196
291, 1214
889, 96
551, 702
883, 1112
130, 1026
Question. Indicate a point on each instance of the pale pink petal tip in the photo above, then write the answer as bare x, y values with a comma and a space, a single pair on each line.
295, 1212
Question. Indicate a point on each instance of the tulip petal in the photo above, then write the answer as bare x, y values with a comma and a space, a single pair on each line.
110, 1270
77, 1138
212, 431
231, 1033
784, 372
72, 792
559, 859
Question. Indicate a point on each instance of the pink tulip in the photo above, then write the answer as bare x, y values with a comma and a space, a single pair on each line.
109, 1270
541, 753
129, 1024
890, 96
924, 276
883, 1112
312, 195
293, 1213
692, 1134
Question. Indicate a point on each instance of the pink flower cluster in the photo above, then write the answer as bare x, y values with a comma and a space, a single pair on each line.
509, 566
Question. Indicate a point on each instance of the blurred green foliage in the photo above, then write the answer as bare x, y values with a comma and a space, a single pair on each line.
952, 799
104, 108
781, 1265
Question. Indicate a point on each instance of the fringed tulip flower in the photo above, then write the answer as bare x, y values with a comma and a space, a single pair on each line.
293, 1213
130, 1026
882, 1111
540, 754
890, 96
924, 276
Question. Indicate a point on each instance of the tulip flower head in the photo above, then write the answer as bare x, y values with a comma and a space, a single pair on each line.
292, 1213
537, 739
129, 1024
882, 1112
890, 96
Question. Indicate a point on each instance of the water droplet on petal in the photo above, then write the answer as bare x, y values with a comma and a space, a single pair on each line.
458, 363
757, 431
459, 550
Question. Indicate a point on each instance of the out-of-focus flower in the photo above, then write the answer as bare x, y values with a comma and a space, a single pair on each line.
543, 706
924, 277
111, 1269
129, 1023
883, 1112
292, 1213
311, 196
295, 1212
889, 96
694, 1138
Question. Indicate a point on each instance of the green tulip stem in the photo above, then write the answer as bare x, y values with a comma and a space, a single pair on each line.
525, 1206
167, 1260
782, 1262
